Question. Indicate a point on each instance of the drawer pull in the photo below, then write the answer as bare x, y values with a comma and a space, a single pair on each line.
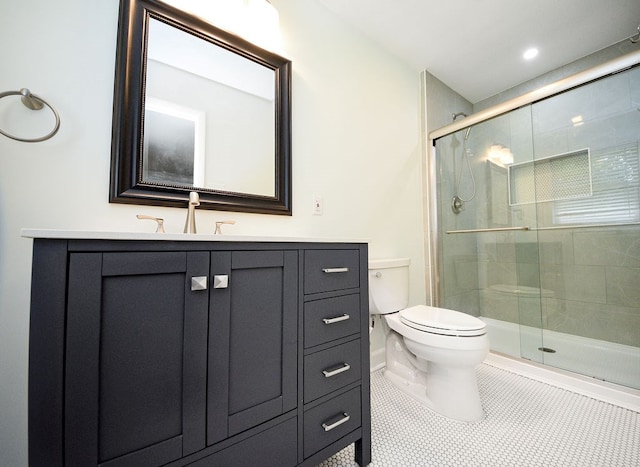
334, 270
337, 371
337, 319
345, 418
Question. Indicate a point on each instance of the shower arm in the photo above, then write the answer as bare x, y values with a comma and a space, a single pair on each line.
459, 114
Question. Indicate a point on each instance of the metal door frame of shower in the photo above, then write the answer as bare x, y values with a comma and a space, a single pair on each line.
603, 70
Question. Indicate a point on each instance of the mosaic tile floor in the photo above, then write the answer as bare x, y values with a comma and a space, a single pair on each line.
527, 423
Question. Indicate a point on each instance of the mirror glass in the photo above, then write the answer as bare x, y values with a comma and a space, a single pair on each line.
224, 141
198, 109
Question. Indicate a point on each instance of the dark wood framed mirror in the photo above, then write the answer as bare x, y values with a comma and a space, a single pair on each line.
198, 109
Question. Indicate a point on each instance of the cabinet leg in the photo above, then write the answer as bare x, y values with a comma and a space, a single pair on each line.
363, 452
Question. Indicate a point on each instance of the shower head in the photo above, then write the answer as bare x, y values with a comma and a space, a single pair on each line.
466, 135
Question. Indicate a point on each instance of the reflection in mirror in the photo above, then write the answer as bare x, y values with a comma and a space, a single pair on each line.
232, 126
197, 108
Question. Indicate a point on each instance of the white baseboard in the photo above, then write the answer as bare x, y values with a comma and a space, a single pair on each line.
377, 359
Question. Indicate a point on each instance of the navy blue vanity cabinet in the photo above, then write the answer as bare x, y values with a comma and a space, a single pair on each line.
201, 353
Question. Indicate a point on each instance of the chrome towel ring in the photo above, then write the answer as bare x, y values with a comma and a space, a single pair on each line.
32, 102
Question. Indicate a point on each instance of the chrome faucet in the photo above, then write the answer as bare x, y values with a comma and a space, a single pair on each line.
190, 224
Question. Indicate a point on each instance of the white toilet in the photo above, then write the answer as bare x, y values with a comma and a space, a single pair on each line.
431, 353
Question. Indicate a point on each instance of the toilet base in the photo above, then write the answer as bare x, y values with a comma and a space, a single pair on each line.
447, 390
456, 398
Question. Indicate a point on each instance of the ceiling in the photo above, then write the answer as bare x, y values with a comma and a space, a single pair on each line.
476, 46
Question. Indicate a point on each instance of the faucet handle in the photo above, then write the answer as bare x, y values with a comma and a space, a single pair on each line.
218, 230
159, 220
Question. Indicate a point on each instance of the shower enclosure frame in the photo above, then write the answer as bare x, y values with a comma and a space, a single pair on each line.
627, 396
592, 74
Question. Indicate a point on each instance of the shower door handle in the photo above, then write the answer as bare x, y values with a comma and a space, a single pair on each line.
494, 229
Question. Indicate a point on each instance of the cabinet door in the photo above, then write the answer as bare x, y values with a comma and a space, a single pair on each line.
252, 340
135, 388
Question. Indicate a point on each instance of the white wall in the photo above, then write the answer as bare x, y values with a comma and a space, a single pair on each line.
356, 142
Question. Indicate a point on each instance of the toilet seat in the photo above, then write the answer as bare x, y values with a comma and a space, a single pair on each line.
442, 321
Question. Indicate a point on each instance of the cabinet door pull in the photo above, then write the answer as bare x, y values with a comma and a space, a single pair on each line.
198, 283
345, 418
334, 270
220, 282
337, 319
337, 371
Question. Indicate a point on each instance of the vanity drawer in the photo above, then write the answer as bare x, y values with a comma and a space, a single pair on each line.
330, 319
327, 270
330, 421
331, 369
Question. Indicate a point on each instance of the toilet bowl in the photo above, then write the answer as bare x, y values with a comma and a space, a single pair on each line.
431, 353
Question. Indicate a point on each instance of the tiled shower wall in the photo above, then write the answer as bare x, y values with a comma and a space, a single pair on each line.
589, 282
595, 276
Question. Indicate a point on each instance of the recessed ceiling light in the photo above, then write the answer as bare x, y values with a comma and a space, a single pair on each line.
530, 53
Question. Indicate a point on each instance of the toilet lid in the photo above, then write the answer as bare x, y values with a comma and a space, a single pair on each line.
442, 321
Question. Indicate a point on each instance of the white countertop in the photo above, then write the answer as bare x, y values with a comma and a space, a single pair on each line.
94, 235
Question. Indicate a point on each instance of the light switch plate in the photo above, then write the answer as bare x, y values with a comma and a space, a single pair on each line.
318, 205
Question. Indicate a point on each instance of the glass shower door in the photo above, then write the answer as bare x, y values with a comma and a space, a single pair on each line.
588, 217
489, 261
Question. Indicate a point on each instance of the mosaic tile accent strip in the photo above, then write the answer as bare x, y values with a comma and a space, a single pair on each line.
527, 423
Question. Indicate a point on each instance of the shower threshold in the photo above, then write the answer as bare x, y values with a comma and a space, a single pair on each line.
615, 394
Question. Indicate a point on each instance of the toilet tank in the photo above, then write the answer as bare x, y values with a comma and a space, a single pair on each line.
388, 285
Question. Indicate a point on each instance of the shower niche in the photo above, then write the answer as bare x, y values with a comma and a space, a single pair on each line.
553, 178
